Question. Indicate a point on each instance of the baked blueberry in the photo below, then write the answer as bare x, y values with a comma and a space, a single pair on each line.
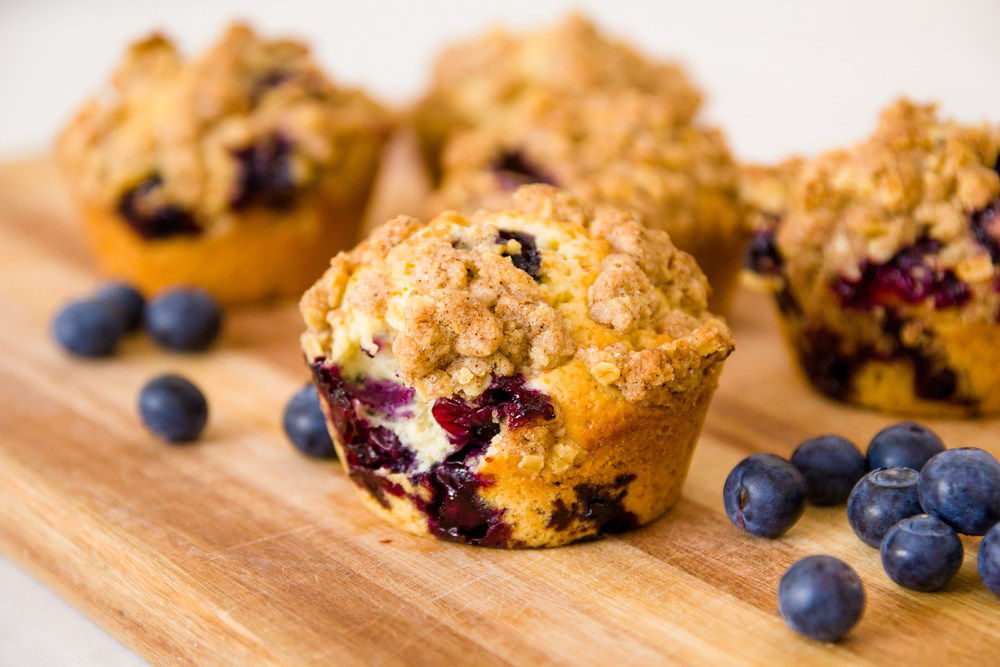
88, 328
881, 499
903, 445
821, 597
305, 424
127, 299
831, 466
529, 259
922, 553
962, 487
173, 408
764, 495
184, 319
989, 559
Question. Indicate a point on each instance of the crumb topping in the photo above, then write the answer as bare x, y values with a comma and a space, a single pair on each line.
896, 214
625, 148
249, 122
501, 69
457, 311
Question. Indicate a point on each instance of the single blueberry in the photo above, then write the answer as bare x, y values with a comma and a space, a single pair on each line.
305, 424
903, 445
88, 328
821, 597
989, 559
831, 465
922, 553
764, 495
127, 299
173, 408
962, 488
185, 319
881, 499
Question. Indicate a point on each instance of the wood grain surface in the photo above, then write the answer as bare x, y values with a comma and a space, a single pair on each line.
236, 550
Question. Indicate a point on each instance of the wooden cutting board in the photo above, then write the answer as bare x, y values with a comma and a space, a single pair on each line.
237, 550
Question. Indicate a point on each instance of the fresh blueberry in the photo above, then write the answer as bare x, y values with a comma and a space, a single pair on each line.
922, 553
821, 597
989, 559
127, 299
184, 319
903, 445
962, 487
173, 408
831, 465
89, 328
305, 424
764, 495
881, 499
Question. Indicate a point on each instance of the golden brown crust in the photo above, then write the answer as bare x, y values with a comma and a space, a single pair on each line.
614, 336
208, 142
459, 311
474, 80
885, 261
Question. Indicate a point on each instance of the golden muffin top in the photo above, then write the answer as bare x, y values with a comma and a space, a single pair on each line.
551, 281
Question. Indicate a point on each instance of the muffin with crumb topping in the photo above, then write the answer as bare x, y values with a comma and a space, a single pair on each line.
518, 378
240, 171
475, 80
884, 258
623, 148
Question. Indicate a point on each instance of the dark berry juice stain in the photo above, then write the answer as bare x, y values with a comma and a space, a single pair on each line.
450, 497
154, 221
905, 277
832, 368
986, 228
455, 510
265, 175
599, 505
529, 259
513, 170
367, 447
762, 255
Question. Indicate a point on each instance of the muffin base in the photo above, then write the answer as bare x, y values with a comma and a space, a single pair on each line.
970, 353
628, 469
263, 255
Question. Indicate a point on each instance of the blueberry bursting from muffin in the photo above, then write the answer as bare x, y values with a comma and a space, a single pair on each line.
521, 378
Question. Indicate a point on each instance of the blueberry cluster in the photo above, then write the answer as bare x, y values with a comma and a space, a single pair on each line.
180, 319
908, 496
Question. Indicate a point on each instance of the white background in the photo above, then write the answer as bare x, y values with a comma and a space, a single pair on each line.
780, 77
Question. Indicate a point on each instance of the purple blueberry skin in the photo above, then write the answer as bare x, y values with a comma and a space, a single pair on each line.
305, 424
127, 299
881, 499
184, 319
821, 597
764, 495
903, 445
831, 465
989, 559
962, 487
88, 328
173, 408
922, 553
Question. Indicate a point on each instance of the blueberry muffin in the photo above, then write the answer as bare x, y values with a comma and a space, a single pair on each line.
480, 78
521, 378
883, 261
184, 170
623, 148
